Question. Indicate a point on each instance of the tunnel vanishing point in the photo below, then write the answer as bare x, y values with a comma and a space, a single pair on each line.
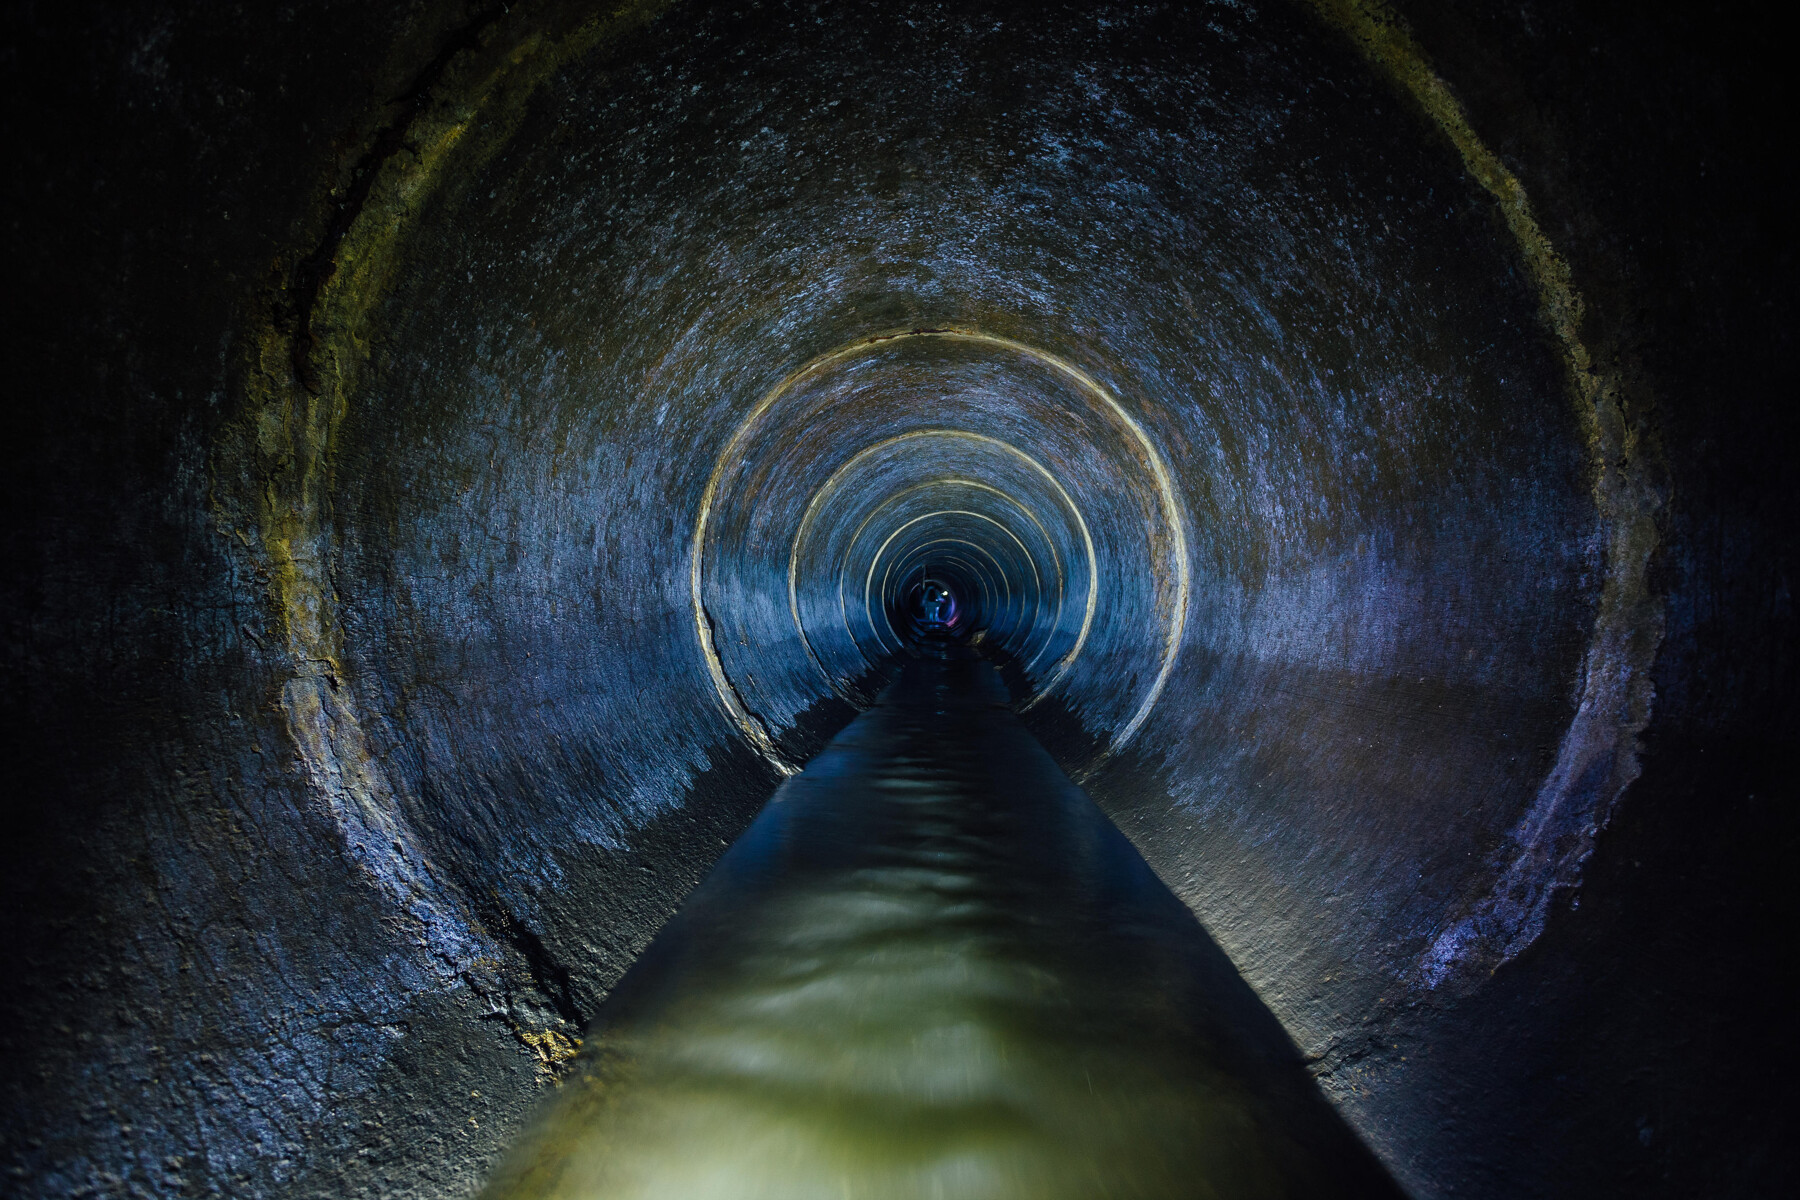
828, 599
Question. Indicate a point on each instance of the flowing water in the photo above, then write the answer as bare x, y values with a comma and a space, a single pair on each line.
933, 968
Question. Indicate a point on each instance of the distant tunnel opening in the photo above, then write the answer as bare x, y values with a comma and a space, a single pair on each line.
931, 607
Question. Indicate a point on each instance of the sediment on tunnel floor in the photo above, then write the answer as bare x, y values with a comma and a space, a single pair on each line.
932, 967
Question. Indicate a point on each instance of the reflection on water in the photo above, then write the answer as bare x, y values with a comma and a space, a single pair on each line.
932, 968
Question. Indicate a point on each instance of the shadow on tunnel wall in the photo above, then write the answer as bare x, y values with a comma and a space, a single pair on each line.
368, 365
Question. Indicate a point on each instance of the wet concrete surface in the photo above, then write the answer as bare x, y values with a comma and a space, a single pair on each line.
932, 967
220, 983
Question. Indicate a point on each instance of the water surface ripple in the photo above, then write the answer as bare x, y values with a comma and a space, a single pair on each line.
933, 968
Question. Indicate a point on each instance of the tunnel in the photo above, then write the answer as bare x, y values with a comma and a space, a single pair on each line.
1287, 502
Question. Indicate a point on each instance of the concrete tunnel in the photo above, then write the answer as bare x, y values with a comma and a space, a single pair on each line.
469, 457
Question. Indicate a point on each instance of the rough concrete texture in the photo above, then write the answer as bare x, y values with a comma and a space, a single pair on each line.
453, 445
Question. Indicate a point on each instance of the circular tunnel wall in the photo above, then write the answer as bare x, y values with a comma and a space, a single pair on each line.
1202, 362
939, 447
